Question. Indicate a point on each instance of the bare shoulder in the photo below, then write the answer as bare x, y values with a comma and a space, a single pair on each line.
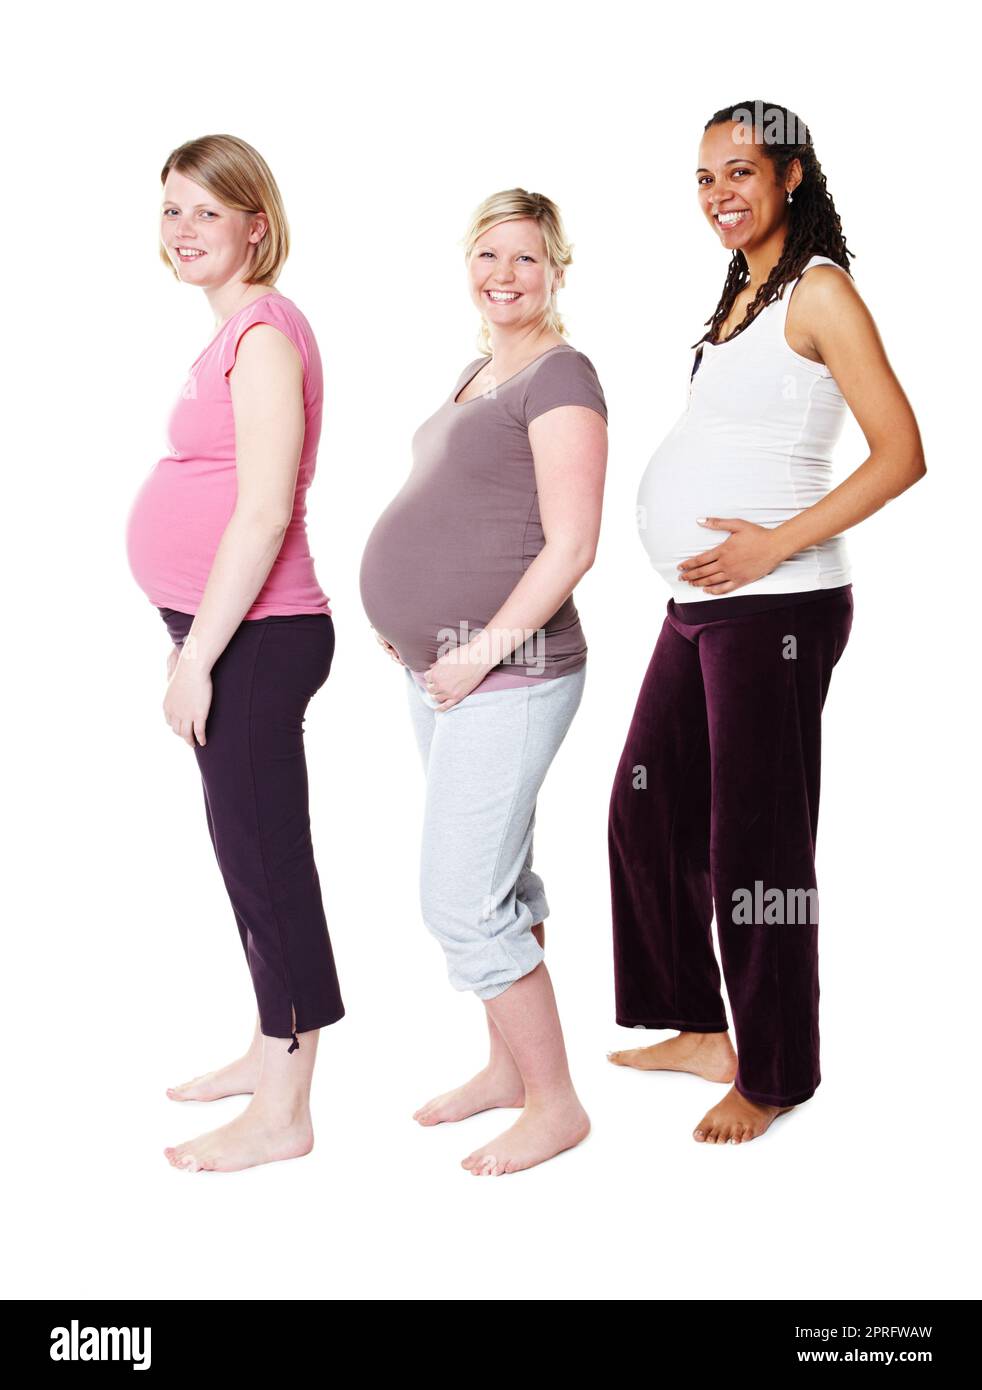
825, 289
825, 304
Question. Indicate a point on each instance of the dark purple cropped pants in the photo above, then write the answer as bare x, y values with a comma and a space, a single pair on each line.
254, 773
715, 801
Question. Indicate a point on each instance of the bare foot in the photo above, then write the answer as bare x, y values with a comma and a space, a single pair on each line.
709, 1055
253, 1137
539, 1133
736, 1120
487, 1090
239, 1078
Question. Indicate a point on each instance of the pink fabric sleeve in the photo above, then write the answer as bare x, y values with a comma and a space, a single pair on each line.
274, 313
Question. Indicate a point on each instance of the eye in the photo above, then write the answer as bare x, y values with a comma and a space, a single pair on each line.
168, 211
703, 178
526, 257
205, 212
484, 253
743, 171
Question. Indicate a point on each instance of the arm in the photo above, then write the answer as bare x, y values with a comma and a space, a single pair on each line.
267, 403
842, 332
569, 448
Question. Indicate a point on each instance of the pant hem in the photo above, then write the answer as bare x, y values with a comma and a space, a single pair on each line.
681, 1024
487, 992
326, 1022
761, 1098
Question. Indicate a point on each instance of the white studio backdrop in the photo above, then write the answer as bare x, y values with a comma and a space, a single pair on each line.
385, 125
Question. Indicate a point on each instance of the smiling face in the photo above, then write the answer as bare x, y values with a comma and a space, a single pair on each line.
738, 192
207, 243
511, 280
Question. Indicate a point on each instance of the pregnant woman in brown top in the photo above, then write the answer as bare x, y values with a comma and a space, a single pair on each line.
467, 579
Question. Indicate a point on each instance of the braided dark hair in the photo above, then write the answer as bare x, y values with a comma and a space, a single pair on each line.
814, 228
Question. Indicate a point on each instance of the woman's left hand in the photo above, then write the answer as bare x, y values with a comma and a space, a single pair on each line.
187, 702
750, 552
451, 678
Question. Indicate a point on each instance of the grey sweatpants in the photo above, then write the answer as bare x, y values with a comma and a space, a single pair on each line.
485, 760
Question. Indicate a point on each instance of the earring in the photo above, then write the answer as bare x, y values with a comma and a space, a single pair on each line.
789, 195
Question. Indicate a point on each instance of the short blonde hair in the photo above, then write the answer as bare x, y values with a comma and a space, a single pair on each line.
238, 176
510, 206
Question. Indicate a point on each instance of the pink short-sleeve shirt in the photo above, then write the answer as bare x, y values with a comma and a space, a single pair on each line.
177, 518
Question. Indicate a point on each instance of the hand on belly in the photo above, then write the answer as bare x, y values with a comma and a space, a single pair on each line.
744, 552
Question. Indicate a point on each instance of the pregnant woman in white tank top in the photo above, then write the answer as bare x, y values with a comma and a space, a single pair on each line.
715, 800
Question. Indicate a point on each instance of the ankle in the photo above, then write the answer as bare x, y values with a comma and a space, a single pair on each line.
501, 1069
280, 1111
552, 1099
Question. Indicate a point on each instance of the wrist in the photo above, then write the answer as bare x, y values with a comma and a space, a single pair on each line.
479, 653
192, 655
784, 544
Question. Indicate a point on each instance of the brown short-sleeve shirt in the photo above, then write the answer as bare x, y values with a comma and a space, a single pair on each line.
455, 541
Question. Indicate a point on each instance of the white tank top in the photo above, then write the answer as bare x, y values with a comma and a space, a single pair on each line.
755, 441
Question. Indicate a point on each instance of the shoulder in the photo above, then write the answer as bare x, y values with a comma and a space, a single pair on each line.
825, 288
564, 376
270, 332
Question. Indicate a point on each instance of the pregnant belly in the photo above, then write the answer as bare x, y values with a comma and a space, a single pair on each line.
173, 531
429, 588
676, 491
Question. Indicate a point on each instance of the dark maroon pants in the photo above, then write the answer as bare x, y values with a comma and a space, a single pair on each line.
254, 773
716, 798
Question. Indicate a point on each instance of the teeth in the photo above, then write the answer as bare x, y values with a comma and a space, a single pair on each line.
187, 253
503, 295
727, 219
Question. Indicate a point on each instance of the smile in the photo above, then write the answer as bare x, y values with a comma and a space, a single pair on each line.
187, 253
730, 219
502, 296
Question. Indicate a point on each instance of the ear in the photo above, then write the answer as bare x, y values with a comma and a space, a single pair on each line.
794, 175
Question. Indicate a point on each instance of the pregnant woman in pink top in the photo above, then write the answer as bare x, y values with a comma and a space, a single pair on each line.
217, 540
468, 580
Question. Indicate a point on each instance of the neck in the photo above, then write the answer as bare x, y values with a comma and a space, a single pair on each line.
762, 259
227, 299
512, 348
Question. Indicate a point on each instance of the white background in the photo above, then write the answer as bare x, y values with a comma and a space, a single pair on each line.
122, 972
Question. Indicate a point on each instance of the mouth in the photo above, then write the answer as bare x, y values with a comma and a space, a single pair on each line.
503, 296
188, 253
731, 219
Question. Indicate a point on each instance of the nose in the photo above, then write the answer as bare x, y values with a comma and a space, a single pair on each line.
183, 229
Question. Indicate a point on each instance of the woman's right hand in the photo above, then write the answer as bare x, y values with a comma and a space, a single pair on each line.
389, 648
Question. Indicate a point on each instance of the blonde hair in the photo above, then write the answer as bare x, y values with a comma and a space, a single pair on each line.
238, 176
510, 206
